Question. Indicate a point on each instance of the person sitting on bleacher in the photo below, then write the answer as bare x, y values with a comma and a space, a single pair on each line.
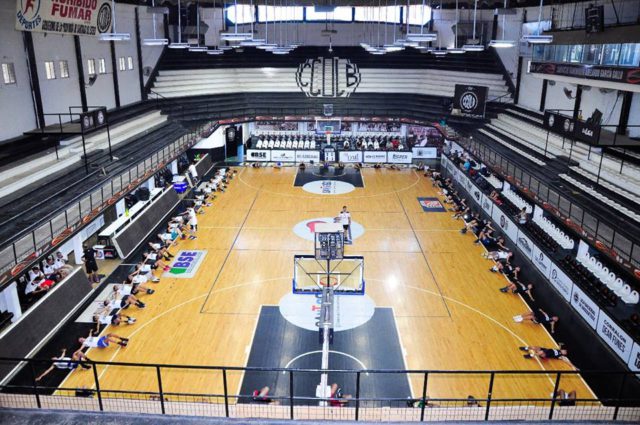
61, 265
38, 285
49, 270
522, 216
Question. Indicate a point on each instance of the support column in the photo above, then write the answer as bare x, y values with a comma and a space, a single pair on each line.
143, 95
576, 106
114, 67
543, 94
80, 65
516, 95
494, 28
627, 97
33, 78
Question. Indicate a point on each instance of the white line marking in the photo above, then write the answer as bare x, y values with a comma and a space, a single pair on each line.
364, 367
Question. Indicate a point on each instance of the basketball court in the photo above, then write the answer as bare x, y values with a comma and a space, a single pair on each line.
414, 294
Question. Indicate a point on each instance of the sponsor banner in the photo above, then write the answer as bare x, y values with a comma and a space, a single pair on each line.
526, 246
614, 336
431, 205
475, 192
77, 17
424, 153
185, 264
585, 306
308, 156
375, 156
634, 359
561, 282
399, 157
283, 156
587, 132
605, 73
328, 187
470, 100
507, 226
350, 156
487, 204
258, 155
541, 261
572, 128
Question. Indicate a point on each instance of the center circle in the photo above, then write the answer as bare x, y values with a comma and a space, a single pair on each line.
350, 311
306, 229
328, 187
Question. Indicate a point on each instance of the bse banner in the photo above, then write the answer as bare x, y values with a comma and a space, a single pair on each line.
258, 155
424, 153
562, 283
308, 156
614, 336
526, 246
350, 156
77, 17
399, 157
470, 100
283, 156
541, 261
375, 156
585, 306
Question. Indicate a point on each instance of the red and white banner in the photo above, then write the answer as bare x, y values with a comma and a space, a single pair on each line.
77, 17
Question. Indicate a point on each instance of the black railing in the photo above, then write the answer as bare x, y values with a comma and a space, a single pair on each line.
292, 402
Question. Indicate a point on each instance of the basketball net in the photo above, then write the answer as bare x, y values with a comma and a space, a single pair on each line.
328, 134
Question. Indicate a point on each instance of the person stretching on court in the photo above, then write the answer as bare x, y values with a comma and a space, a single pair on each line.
262, 396
66, 363
99, 342
345, 220
337, 399
539, 317
547, 353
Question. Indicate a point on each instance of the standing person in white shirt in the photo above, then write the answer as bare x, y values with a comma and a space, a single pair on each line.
193, 171
193, 222
345, 220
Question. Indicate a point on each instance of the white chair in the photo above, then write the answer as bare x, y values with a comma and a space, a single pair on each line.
624, 291
312, 145
289, 144
306, 144
259, 144
270, 144
611, 279
632, 298
294, 145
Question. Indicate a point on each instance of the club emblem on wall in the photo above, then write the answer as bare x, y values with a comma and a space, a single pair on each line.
328, 77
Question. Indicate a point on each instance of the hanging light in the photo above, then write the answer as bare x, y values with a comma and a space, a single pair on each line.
438, 52
538, 38
215, 51
235, 35
179, 44
114, 35
502, 44
473, 45
198, 47
420, 37
155, 41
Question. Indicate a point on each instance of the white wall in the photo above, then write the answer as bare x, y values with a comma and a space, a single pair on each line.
101, 93
128, 80
55, 47
530, 89
150, 54
16, 101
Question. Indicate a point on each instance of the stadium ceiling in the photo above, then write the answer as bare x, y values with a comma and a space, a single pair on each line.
436, 4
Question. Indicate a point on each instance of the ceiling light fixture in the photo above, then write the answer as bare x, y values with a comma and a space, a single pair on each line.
538, 38
502, 44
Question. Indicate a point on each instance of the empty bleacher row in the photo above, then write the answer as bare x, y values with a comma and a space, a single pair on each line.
16, 176
198, 82
27, 209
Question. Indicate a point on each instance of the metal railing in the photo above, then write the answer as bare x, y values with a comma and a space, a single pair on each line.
608, 236
289, 399
27, 246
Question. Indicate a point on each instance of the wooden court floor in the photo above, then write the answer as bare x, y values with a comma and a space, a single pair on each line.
448, 310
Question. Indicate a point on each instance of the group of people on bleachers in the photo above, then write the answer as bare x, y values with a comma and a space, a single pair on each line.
497, 251
42, 278
113, 310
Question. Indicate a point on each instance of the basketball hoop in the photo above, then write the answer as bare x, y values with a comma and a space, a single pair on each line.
332, 281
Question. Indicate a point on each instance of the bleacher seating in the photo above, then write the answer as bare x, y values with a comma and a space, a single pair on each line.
609, 278
512, 147
560, 237
584, 278
517, 200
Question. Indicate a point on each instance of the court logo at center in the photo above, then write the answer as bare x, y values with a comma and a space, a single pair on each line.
350, 311
328, 187
306, 229
185, 264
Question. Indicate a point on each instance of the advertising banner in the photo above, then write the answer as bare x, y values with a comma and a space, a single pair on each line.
585, 306
634, 359
75, 17
470, 100
283, 156
614, 336
375, 156
541, 261
487, 204
258, 155
561, 282
526, 246
424, 153
507, 226
351, 156
606, 73
308, 156
399, 157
